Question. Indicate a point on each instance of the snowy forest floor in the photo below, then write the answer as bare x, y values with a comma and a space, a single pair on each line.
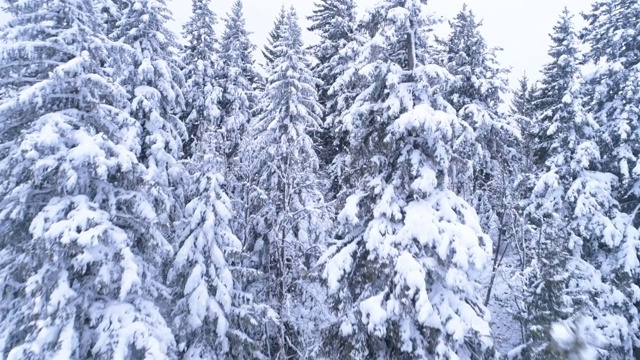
506, 330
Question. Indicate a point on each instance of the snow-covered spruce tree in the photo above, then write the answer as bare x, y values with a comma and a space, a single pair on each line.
477, 95
237, 79
404, 280
150, 72
212, 316
523, 112
294, 218
612, 96
270, 51
522, 103
574, 214
480, 79
335, 22
205, 282
80, 240
202, 90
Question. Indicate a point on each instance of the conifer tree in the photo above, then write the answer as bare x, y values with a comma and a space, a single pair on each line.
150, 72
213, 317
404, 278
612, 97
523, 111
291, 208
522, 103
202, 91
573, 213
237, 79
335, 22
81, 244
205, 298
477, 95
270, 51
201, 272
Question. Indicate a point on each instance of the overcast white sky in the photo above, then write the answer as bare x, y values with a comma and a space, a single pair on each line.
520, 27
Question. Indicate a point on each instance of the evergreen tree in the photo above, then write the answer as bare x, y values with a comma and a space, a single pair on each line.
335, 22
480, 79
80, 244
238, 76
524, 113
202, 92
212, 316
404, 279
270, 51
239, 80
522, 103
477, 95
205, 281
612, 97
293, 216
151, 75
573, 213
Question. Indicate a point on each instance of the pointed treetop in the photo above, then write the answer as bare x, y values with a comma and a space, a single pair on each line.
269, 52
199, 31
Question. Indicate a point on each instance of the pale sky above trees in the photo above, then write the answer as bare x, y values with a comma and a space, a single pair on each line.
520, 27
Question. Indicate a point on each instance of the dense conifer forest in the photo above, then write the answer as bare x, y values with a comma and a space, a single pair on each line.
382, 193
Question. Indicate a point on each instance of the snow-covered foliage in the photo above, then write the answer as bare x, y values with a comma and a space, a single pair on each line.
200, 267
581, 240
523, 113
335, 22
150, 73
493, 154
270, 51
202, 90
237, 79
340, 42
612, 98
81, 244
286, 194
522, 103
404, 278
211, 312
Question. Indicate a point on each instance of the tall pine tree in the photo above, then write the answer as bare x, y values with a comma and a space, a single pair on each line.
270, 51
202, 91
477, 96
612, 96
291, 207
210, 311
150, 72
213, 317
335, 22
237, 79
404, 278
573, 213
81, 243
